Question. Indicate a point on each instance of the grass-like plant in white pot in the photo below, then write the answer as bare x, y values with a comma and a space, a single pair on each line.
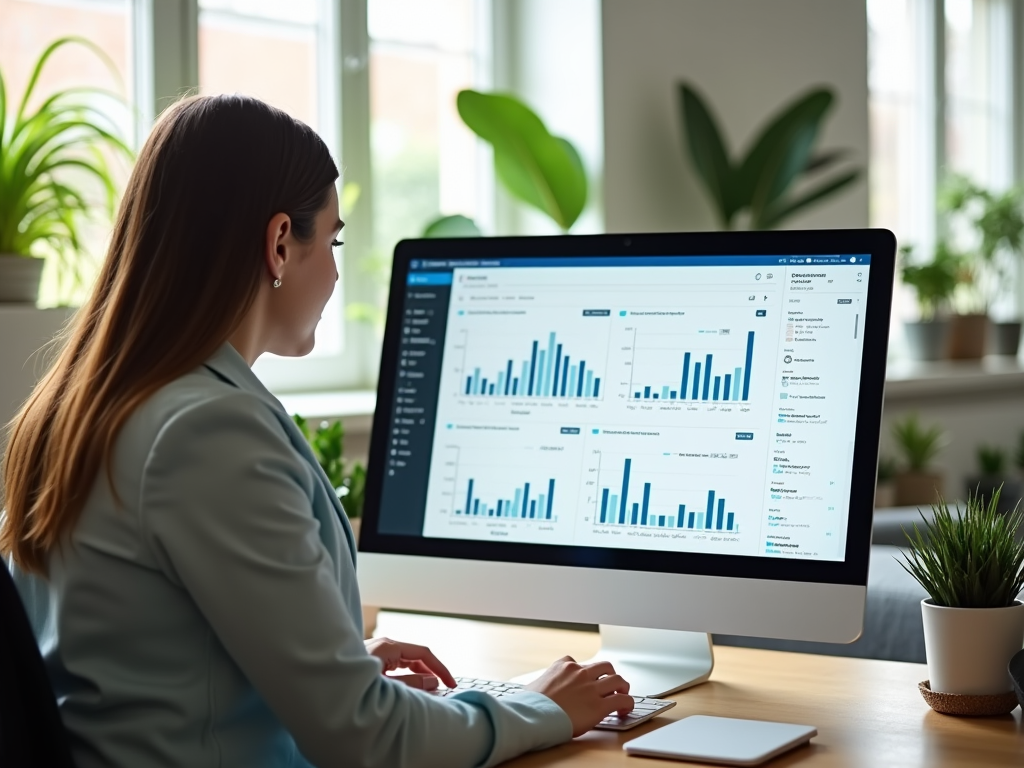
917, 482
971, 564
55, 175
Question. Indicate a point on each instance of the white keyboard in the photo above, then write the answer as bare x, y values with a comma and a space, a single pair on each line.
644, 708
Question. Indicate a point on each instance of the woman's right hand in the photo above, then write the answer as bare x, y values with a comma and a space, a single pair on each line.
587, 692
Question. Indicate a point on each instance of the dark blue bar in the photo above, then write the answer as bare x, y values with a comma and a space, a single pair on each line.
717, 388
625, 491
728, 521
692, 520
515, 385
696, 260
746, 371
491, 390
728, 386
579, 385
604, 505
483, 386
709, 518
707, 376
721, 513
558, 361
636, 395
490, 512
655, 395
696, 382
636, 510
672, 395
597, 386
476, 506
533, 508
647, 500
500, 502
469, 385
533, 366
647, 393
469, 496
661, 520
682, 516
551, 497
508, 377
526, 498
686, 375
565, 373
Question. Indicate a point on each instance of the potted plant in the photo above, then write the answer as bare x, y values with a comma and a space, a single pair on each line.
970, 565
56, 176
934, 284
347, 477
916, 482
993, 463
885, 487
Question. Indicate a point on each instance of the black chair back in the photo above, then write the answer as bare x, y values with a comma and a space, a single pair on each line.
31, 732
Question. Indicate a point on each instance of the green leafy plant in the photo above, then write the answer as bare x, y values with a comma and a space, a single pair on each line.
761, 183
991, 460
968, 558
1019, 457
53, 159
541, 170
347, 477
918, 444
887, 469
452, 226
934, 282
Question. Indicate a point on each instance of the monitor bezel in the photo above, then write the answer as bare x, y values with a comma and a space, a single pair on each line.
853, 569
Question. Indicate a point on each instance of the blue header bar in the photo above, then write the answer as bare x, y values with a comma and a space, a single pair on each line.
430, 278
838, 259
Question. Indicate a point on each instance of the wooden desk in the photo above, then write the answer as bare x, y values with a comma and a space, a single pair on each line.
868, 713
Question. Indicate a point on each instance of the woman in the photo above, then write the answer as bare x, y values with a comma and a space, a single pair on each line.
188, 569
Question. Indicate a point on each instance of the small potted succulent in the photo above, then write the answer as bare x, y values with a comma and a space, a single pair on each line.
917, 482
993, 466
885, 486
972, 567
933, 283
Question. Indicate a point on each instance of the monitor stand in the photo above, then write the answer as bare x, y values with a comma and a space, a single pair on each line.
655, 662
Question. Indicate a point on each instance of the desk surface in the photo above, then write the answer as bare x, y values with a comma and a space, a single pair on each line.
868, 713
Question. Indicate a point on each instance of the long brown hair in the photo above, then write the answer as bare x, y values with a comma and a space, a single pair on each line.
184, 266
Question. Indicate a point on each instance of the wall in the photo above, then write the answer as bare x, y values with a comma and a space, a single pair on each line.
747, 57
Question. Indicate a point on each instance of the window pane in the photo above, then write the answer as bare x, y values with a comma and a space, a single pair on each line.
425, 161
270, 50
27, 28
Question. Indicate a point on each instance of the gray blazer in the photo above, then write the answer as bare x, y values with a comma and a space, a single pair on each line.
213, 617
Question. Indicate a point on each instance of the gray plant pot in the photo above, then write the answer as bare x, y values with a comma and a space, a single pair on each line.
928, 339
19, 279
1004, 338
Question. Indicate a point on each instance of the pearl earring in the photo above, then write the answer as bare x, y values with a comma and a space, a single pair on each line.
277, 282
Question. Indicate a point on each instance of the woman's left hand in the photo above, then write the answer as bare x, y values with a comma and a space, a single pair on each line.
416, 658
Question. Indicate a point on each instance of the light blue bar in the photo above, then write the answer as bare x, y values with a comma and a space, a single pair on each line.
736, 384
541, 501
571, 391
517, 503
524, 379
700, 520
549, 369
613, 505
500, 388
476, 381
588, 388
538, 388
671, 521
664, 393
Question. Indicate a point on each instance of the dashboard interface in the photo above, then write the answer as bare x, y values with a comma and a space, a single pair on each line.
672, 403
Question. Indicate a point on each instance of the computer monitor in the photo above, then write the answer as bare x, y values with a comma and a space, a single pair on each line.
659, 434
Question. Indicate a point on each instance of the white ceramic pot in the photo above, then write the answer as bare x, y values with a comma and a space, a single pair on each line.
19, 279
968, 648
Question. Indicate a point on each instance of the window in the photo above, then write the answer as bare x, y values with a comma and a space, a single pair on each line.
28, 27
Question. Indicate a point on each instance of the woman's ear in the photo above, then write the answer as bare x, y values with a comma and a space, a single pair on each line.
277, 250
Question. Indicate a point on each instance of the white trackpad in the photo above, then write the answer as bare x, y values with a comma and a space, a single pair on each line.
722, 740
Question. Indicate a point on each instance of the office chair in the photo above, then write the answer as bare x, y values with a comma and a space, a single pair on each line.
31, 732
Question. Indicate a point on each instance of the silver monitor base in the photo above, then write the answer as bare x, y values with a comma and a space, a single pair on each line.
655, 662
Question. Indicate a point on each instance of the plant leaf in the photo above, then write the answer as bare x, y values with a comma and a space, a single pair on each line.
774, 216
452, 226
536, 167
709, 155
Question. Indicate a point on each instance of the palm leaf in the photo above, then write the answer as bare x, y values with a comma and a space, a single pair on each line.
783, 210
709, 155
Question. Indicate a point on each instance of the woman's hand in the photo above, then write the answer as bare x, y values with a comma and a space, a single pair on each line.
587, 692
415, 658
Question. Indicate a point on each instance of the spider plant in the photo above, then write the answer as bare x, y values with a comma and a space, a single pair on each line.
968, 558
919, 444
53, 159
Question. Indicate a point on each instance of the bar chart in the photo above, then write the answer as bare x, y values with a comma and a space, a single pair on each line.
524, 503
704, 377
618, 507
544, 369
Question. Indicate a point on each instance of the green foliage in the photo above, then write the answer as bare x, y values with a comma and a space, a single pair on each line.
1019, 458
887, 468
934, 282
52, 159
969, 558
781, 156
347, 478
541, 170
919, 445
991, 460
452, 226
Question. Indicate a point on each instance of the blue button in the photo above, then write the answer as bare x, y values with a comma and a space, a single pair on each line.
744, 435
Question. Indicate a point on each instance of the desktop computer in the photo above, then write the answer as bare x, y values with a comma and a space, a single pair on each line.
667, 435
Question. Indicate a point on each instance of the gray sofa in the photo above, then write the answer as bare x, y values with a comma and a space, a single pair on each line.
892, 620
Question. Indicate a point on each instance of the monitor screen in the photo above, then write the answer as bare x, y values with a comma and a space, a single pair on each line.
698, 404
